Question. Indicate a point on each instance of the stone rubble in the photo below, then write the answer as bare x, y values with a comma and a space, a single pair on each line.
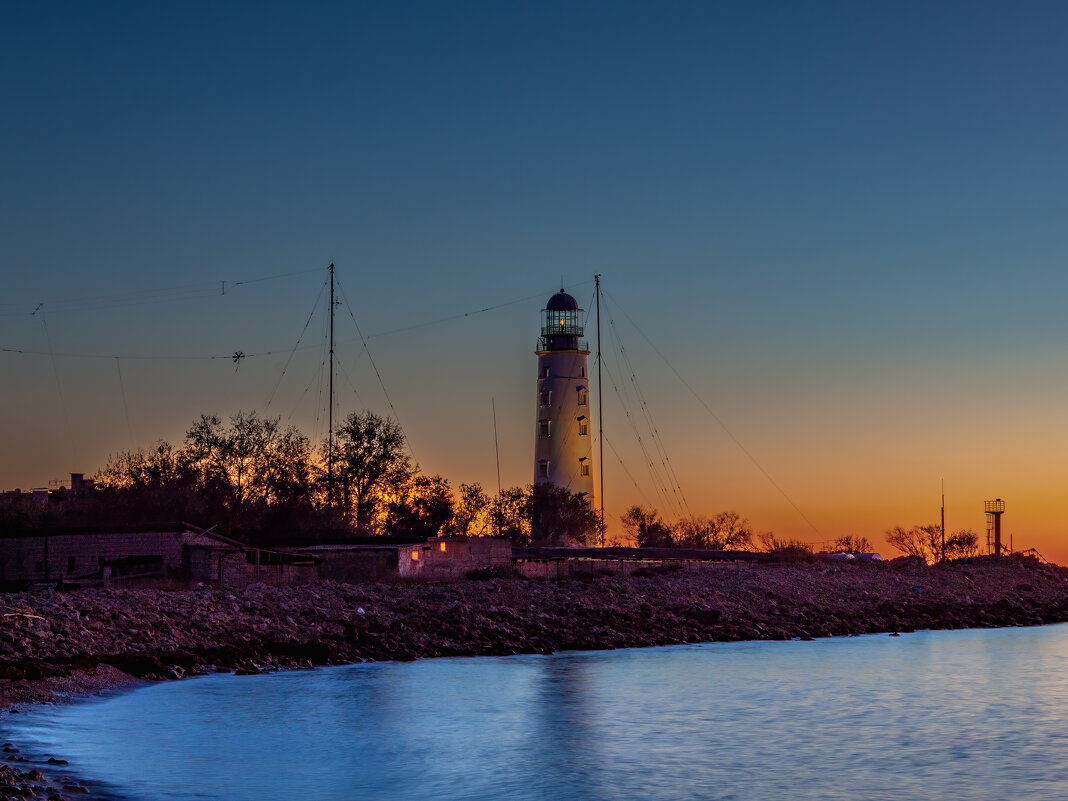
69, 643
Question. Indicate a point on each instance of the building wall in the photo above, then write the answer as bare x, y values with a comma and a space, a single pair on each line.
358, 565
452, 558
563, 375
561, 568
281, 575
73, 555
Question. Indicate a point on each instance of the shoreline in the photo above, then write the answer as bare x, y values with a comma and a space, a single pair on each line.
81, 644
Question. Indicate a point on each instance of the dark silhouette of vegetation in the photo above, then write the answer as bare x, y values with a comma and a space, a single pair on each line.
851, 543
647, 529
253, 479
559, 517
785, 548
926, 542
369, 465
727, 531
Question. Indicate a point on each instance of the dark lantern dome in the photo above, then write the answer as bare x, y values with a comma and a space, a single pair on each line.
561, 300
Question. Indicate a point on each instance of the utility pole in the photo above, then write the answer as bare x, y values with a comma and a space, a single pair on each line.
600, 403
330, 411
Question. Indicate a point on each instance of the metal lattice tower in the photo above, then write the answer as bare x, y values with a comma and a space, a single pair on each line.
994, 510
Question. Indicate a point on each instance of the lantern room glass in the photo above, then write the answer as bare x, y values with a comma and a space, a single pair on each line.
561, 322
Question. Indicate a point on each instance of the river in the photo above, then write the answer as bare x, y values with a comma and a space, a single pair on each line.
977, 714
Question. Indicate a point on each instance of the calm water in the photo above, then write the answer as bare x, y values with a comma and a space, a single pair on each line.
931, 715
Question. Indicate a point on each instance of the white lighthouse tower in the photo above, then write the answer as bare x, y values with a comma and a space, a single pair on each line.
563, 453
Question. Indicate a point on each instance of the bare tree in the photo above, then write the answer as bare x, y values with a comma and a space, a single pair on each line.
772, 544
369, 463
727, 531
472, 515
646, 528
850, 543
922, 541
961, 544
252, 460
732, 532
423, 507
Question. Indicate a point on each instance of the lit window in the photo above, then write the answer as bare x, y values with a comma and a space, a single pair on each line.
583, 396
543, 428
545, 397
443, 546
584, 427
543, 469
415, 556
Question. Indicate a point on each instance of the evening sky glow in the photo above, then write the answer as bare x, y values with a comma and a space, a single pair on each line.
842, 223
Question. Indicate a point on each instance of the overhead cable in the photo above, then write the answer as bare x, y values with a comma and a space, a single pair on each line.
716, 417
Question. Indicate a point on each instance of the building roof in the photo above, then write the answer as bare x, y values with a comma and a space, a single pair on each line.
561, 300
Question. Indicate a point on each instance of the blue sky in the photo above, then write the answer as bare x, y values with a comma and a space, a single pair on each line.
843, 222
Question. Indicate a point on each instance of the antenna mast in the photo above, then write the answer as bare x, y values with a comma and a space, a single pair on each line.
330, 411
943, 520
600, 402
497, 448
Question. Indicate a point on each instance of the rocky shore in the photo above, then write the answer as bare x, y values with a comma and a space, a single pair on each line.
78, 642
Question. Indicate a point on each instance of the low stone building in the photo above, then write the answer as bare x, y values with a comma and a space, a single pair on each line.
436, 559
172, 551
451, 558
178, 553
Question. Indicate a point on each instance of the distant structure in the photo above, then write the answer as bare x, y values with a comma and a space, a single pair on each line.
563, 451
994, 510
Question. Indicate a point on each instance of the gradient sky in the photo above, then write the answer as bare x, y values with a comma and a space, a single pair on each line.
844, 225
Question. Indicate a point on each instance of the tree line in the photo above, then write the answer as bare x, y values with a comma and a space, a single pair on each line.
926, 542
266, 484
726, 531
252, 478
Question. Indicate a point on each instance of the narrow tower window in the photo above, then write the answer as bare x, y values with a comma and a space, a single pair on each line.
584, 467
543, 469
584, 426
545, 372
543, 428
544, 397
583, 396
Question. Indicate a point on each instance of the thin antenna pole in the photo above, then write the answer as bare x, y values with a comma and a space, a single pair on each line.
600, 400
330, 411
943, 520
497, 448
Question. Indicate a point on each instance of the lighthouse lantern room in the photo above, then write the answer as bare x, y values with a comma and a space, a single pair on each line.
563, 450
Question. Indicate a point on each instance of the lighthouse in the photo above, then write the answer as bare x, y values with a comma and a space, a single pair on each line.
563, 451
